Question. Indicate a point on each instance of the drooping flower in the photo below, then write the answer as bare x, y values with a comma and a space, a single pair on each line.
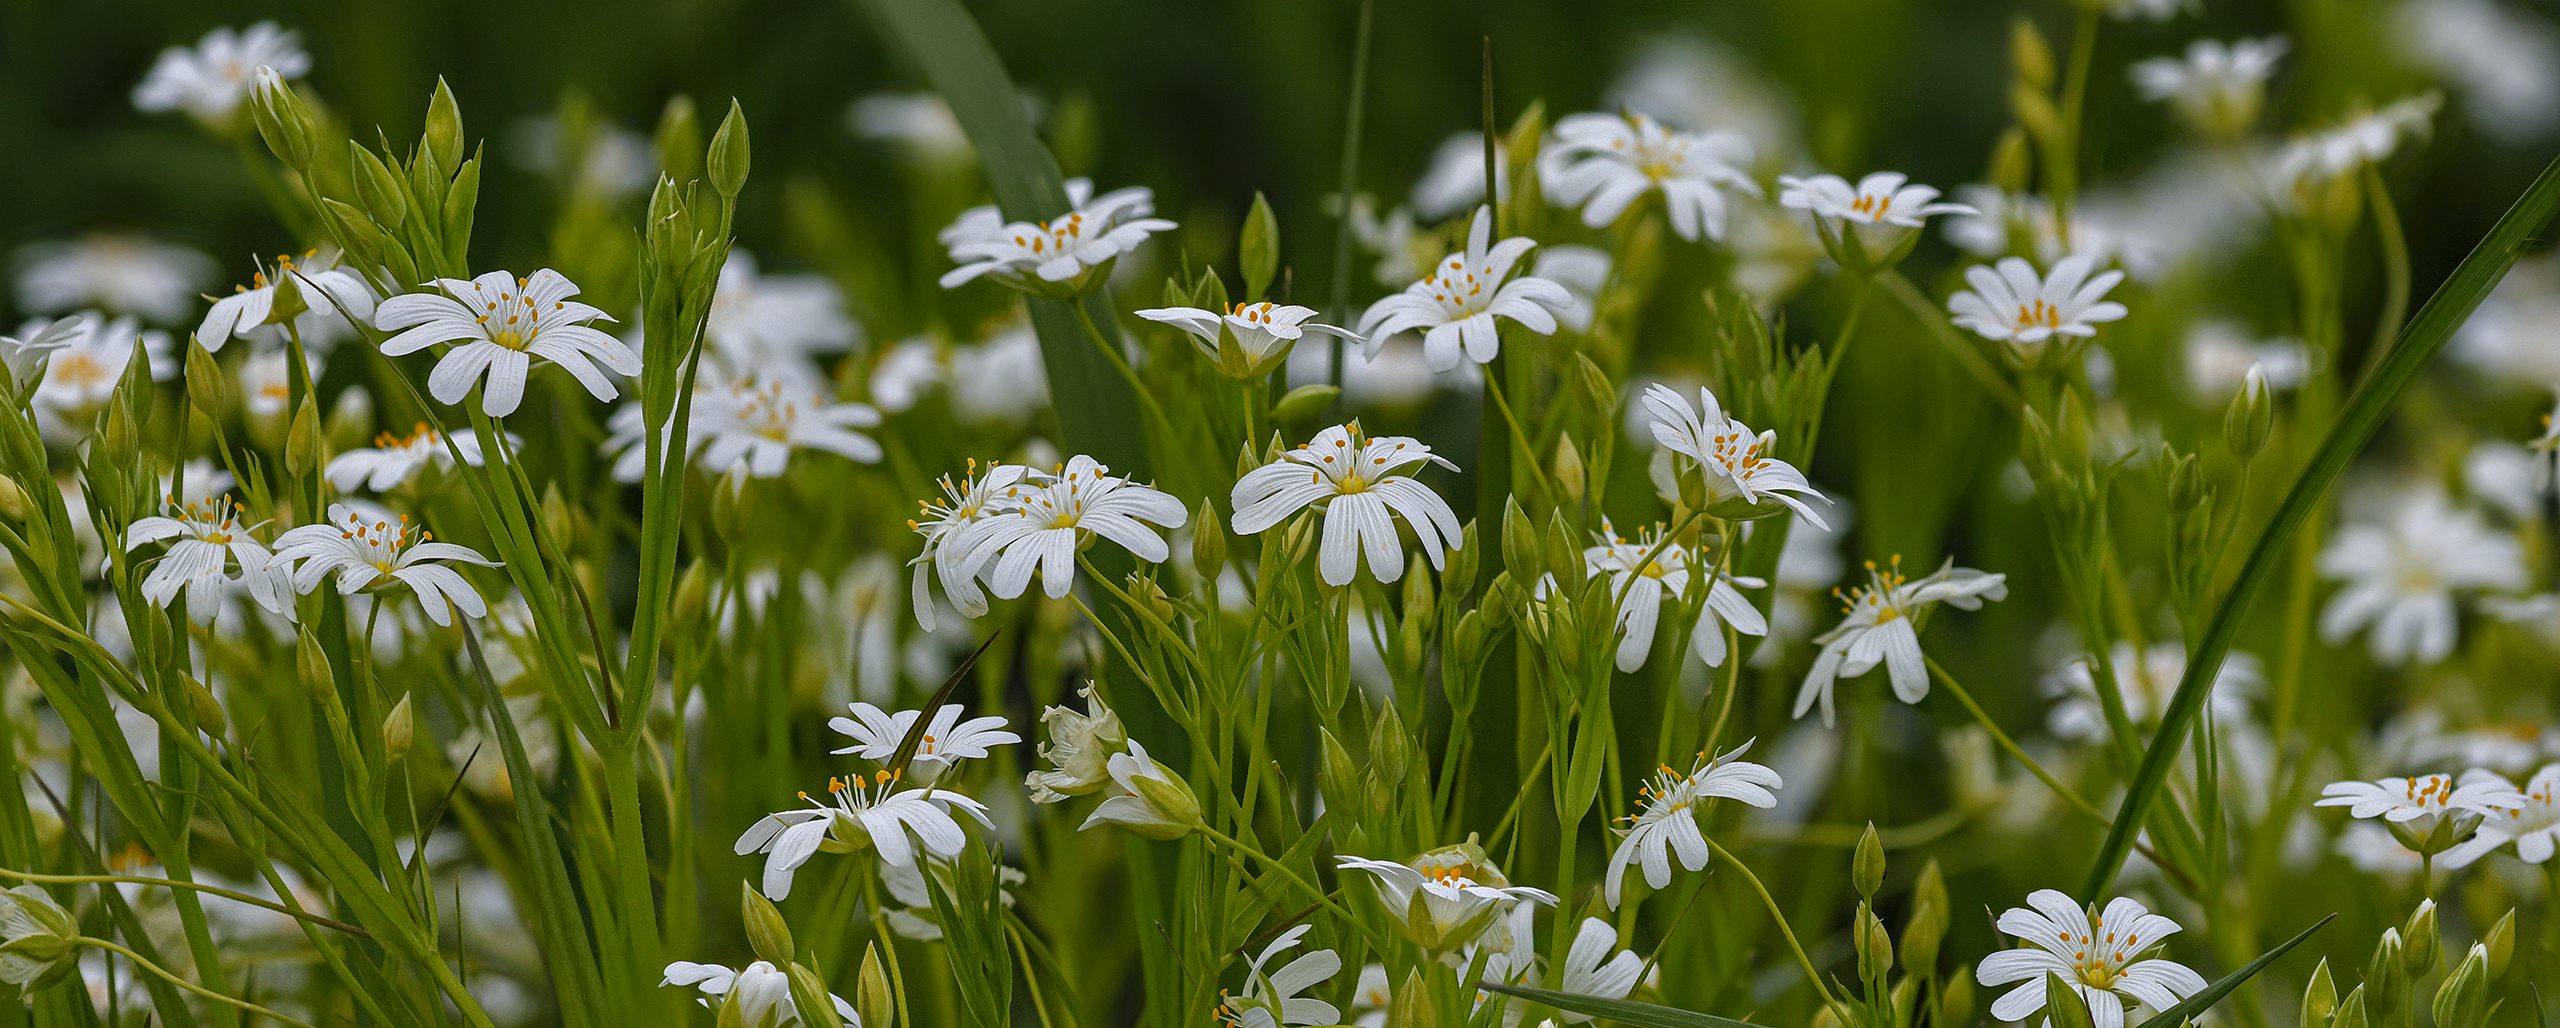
1249, 340
1357, 482
1148, 800
1881, 629
1456, 305
2217, 87
1061, 257
761, 992
38, 939
2533, 826
1604, 162
323, 289
206, 543
1882, 214
1080, 748
118, 273
2402, 575
1666, 817
393, 460
1441, 900
378, 555
878, 812
1044, 525
1739, 478
2098, 954
2010, 303
948, 740
964, 504
499, 323
759, 425
210, 80
1650, 572
1272, 1000
26, 357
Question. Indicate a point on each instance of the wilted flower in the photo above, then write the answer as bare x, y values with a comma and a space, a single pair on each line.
379, 555
875, 812
1739, 477
1356, 482
1666, 817
1880, 629
2218, 87
2096, 953
393, 460
1603, 162
2012, 304
1443, 899
1080, 747
1249, 340
1456, 306
947, 740
500, 323
2401, 576
1059, 257
211, 79
1040, 526
1883, 213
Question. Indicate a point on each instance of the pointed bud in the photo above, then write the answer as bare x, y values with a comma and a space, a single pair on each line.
1928, 925
679, 139
767, 933
443, 136
1303, 404
871, 990
1411, 1006
302, 445
1955, 999
2424, 949
1520, 549
1390, 748
1569, 473
1875, 946
284, 121
1209, 544
1563, 554
2030, 56
808, 989
386, 201
1341, 779
2320, 998
207, 710
312, 664
2386, 976
693, 595
1460, 577
399, 731
2251, 415
2501, 941
13, 500
558, 522
727, 158
1258, 248
1598, 396
2464, 996
1866, 869
208, 389
2012, 163
2350, 1011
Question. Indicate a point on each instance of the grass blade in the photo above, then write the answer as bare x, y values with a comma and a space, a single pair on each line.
1630, 1012
2373, 400
2187, 1009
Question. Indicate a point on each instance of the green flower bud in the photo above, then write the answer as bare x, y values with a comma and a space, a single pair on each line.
809, 991
302, 446
442, 140
2463, 998
1303, 403
2350, 1011
1390, 747
692, 598
871, 990
312, 664
679, 143
1875, 946
1563, 552
1209, 543
2422, 949
1466, 643
1928, 925
207, 388
1258, 247
1520, 551
44, 940
1955, 999
385, 199
2251, 415
2029, 55
207, 710
2501, 942
1461, 573
284, 121
727, 158
1569, 472
399, 731
1410, 1006
2011, 162
2320, 998
13, 500
1341, 779
2386, 976
1866, 869
767, 933
559, 521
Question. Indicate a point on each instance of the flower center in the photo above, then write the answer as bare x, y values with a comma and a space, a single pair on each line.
1458, 288
2037, 313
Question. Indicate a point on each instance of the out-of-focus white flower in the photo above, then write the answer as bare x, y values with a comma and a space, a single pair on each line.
2220, 353
26, 357
2402, 575
2508, 477
610, 161
323, 289
1390, 237
1738, 477
1356, 482
394, 460
2097, 954
903, 374
1271, 1000
1397, 375
373, 555
1880, 629
768, 326
1602, 163
755, 431
1692, 82
1041, 526
83, 371
122, 274
2373, 850
1061, 257
2145, 680
2533, 826
2504, 62
2010, 303
2217, 87
1882, 212
205, 542
921, 122
876, 812
1456, 306
2149, 10
211, 79
1645, 585
1583, 271
1666, 818
2515, 334
1775, 250
1080, 748
1249, 339
499, 323
1454, 181
266, 381
948, 740
1001, 381
2361, 140
1443, 899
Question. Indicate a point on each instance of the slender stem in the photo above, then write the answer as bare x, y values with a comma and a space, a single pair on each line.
2062, 167
2395, 268
1120, 361
1353, 108
238, 897
1963, 350
1520, 439
1778, 916
1180, 644
1289, 873
140, 961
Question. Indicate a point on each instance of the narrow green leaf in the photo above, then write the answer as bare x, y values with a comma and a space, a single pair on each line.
2372, 401
2187, 1009
1623, 1011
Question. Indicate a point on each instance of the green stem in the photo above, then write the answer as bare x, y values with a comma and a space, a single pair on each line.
2062, 163
1292, 875
1340, 302
140, 961
237, 897
1120, 362
1806, 962
1520, 439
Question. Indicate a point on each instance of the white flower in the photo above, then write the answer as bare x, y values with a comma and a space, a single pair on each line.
914, 917
599, 160
211, 79
767, 326
2218, 87
1590, 970
1583, 271
1058, 257
1880, 629
1666, 817
922, 122
500, 323
758, 426
1390, 237
394, 460
761, 991
83, 372
26, 357
2515, 335
2095, 953
1043, 525
965, 503
266, 381
2507, 477
126, 274
1454, 181
2500, 58
1456, 306
879, 812
2220, 354
1443, 899
1604, 162
1356, 481
2401, 576
1148, 800
1271, 1000
2011, 304
1248, 340
1647, 584
1882, 210
1738, 477
2361, 140
324, 290
380, 555
1000, 381
2145, 680
2422, 799
1370, 997
36, 947
205, 540
1080, 746
903, 374
948, 740
2534, 825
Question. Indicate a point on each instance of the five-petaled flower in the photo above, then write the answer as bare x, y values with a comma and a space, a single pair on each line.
210, 80
1604, 162
1443, 899
1249, 339
1042, 526
2533, 825
876, 812
1871, 224
1650, 572
1666, 817
757, 425
964, 503
1737, 475
1455, 306
1272, 999
2010, 303
379, 555
336, 291
947, 740
1356, 481
206, 539
1880, 628
1061, 257
499, 323
2098, 954
393, 460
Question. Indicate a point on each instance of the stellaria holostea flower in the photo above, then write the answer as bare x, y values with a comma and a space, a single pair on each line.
377, 555
948, 740
1443, 899
206, 541
876, 812
2010, 303
2217, 87
2533, 826
1080, 748
1148, 799
2099, 954
1249, 339
1272, 1000
1044, 524
211, 79
1357, 482
393, 460
1604, 162
1666, 817
1882, 627
252, 306
1738, 476
1061, 257
1881, 215
2401, 576
1456, 305
1650, 572
498, 323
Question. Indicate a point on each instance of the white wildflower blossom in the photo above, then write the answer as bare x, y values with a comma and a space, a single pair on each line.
1456, 305
211, 79
2401, 576
1360, 485
1666, 817
1881, 629
121, 274
375, 554
1042, 526
877, 812
1603, 163
2098, 954
498, 324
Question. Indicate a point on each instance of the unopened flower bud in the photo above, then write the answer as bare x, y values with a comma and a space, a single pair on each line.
1866, 869
1411, 1006
284, 121
1955, 999
1209, 543
1875, 946
871, 990
767, 933
2011, 162
1568, 469
1928, 925
302, 445
207, 710
693, 594
558, 522
2386, 976
2030, 55
1303, 403
2464, 996
399, 730
1520, 550
727, 158
1340, 780
2351, 1011
442, 139
13, 500
808, 989
2320, 998
2422, 947
2251, 416
1461, 573
1390, 748
42, 937
1563, 552
313, 664
2501, 942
